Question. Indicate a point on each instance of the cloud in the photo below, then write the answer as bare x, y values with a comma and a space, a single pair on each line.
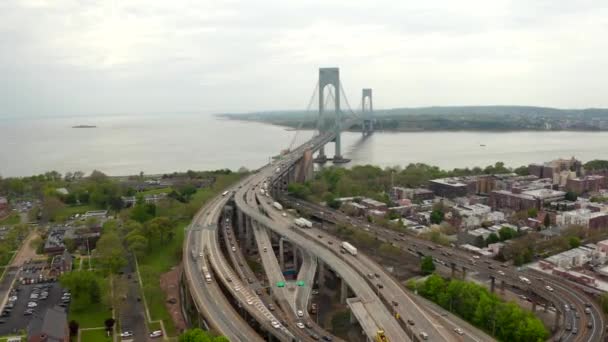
81, 57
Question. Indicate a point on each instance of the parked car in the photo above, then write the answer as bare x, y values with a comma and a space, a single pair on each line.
156, 333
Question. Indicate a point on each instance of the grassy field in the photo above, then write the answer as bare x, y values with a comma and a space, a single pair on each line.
153, 326
95, 315
156, 191
5, 338
162, 257
12, 219
98, 335
68, 211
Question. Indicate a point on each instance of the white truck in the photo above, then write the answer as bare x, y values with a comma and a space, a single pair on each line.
349, 248
206, 274
303, 223
262, 191
277, 205
524, 280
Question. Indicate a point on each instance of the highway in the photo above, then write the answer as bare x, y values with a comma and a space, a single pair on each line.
374, 275
208, 298
358, 284
561, 295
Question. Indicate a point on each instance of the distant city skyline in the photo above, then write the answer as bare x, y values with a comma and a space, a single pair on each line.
68, 57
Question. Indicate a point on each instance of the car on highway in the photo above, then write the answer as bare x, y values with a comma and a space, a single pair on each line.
275, 324
410, 322
300, 325
32, 304
501, 272
126, 334
459, 331
156, 333
233, 249
327, 338
300, 313
549, 288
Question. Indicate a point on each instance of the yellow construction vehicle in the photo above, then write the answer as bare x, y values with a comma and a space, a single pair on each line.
380, 337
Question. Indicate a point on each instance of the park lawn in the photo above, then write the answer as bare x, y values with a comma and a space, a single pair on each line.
162, 257
156, 191
10, 220
68, 211
152, 326
97, 335
5, 338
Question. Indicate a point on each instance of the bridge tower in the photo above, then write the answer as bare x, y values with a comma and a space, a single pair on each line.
367, 112
330, 76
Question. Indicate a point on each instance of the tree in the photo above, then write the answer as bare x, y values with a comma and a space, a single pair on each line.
109, 323
506, 233
532, 212
137, 243
199, 335
436, 216
110, 252
160, 226
98, 176
427, 266
51, 206
574, 241
571, 196
73, 325
84, 287
604, 302
492, 238
547, 220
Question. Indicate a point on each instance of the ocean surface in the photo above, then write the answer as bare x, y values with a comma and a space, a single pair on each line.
128, 144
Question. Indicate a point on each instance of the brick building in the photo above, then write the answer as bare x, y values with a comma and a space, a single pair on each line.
592, 183
517, 201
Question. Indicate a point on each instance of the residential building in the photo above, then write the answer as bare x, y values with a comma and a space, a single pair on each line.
52, 327
583, 217
517, 201
370, 203
453, 187
417, 194
581, 185
96, 213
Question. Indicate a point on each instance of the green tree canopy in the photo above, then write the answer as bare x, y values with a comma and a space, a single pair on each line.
84, 287
110, 252
427, 266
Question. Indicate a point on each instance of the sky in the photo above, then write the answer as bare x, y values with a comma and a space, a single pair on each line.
87, 57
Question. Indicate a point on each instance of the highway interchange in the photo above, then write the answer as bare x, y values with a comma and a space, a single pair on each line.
378, 304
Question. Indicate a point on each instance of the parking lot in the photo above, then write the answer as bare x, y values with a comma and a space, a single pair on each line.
17, 319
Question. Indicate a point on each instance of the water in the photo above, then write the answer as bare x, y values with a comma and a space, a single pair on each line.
154, 144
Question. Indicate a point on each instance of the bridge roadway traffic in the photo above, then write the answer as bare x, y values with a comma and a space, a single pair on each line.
300, 295
391, 292
358, 284
562, 294
248, 276
208, 298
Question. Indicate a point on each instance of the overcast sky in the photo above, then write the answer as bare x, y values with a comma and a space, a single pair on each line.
67, 57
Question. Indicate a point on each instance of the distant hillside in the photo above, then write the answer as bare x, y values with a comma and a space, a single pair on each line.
491, 118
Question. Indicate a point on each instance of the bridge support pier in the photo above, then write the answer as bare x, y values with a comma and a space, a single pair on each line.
502, 286
249, 236
282, 253
464, 273
343, 291
558, 316
453, 267
321, 275
492, 283
533, 306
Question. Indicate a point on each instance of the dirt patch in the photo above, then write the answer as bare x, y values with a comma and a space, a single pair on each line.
27, 251
169, 283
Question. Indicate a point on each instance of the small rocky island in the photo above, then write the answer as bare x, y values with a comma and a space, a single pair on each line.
84, 126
